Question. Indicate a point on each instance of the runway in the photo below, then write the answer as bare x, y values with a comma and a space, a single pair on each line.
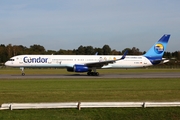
128, 75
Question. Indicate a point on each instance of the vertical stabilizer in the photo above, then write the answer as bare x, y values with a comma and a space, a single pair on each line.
156, 52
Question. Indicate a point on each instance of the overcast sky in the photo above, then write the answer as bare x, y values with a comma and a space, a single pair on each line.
67, 24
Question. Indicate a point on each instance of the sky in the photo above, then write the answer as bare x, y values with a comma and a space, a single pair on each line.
67, 24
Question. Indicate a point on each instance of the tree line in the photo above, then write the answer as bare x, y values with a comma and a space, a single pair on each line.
8, 51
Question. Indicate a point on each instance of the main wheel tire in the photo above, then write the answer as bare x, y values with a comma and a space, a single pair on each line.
97, 74
88, 73
92, 73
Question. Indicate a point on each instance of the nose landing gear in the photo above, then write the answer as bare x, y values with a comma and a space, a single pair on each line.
22, 71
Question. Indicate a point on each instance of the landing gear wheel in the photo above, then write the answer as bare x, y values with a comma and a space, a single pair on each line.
88, 73
97, 74
93, 73
23, 74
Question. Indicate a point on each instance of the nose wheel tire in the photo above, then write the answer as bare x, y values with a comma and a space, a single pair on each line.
23, 74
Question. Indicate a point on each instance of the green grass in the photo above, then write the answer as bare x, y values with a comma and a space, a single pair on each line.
67, 90
63, 90
93, 114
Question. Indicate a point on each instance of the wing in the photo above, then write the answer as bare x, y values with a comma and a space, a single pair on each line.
102, 63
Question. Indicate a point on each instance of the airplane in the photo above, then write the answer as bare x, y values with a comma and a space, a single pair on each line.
89, 63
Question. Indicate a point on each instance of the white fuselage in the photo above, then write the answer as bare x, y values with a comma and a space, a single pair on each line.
64, 61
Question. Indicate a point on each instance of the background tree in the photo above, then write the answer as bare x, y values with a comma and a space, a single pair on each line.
51, 52
61, 52
3, 53
89, 50
9, 51
37, 49
176, 55
135, 51
167, 55
99, 50
70, 52
106, 50
80, 50
114, 52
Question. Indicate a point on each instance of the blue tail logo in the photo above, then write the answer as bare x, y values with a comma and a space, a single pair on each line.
156, 52
158, 48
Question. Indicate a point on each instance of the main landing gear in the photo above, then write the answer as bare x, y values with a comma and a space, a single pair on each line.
22, 71
93, 73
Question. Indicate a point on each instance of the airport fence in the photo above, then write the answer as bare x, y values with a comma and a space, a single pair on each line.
79, 105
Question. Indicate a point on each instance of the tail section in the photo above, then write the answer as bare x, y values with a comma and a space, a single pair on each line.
156, 52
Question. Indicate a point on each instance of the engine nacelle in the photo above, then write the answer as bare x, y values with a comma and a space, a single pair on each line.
70, 69
78, 68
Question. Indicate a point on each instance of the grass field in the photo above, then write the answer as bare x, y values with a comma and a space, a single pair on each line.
66, 90
63, 90
93, 114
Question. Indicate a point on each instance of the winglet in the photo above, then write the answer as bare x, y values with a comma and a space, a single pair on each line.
124, 55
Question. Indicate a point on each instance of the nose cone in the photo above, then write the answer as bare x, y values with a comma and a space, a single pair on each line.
7, 63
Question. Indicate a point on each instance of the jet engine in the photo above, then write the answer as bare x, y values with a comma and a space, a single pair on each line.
78, 68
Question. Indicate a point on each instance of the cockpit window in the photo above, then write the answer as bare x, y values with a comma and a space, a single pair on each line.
11, 59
